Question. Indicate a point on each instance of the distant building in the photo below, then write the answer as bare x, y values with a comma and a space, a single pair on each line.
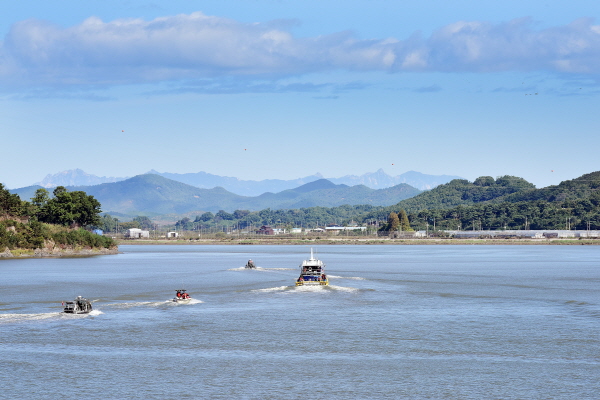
136, 233
98, 232
336, 229
265, 230
172, 235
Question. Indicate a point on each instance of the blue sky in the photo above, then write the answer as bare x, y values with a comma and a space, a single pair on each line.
261, 89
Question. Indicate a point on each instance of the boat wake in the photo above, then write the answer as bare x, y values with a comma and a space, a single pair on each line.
325, 289
306, 288
261, 269
343, 288
279, 269
273, 289
186, 303
7, 318
248, 269
356, 278
123, 306
163, 303
311, 288
12, 318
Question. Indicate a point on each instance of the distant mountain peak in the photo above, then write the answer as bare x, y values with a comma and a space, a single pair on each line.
74, 177
381, 180
316, 185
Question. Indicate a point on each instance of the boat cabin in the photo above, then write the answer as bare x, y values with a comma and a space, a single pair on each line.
77, 306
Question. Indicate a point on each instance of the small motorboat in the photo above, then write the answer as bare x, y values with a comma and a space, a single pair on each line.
78, 306
250, 265
181, 296
312, 272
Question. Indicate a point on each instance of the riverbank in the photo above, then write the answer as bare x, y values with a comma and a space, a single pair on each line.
57, 252
87, 252
360, 241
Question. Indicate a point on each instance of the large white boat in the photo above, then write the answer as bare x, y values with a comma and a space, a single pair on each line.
312, 272
78, 306
181, 296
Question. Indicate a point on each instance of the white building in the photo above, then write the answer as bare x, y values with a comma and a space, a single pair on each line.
136, 233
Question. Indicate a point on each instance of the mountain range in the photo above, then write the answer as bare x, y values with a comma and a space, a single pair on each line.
152, 195
375, 180
74, 177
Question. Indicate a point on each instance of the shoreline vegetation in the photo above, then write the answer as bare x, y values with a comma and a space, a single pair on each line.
59, 226
360, 241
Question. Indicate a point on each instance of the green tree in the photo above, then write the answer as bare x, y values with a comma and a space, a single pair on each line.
207, 216
239, 214
40, 198
70, 208
108, 223
222, 214
10, 204
393, 222
145, 222
86, 209
484, 181
129, 225
404, 223
185, 224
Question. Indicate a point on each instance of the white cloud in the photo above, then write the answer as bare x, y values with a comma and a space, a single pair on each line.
197, 46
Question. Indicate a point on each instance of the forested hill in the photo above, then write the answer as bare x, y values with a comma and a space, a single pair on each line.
462, 192
574, 189
504, 203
